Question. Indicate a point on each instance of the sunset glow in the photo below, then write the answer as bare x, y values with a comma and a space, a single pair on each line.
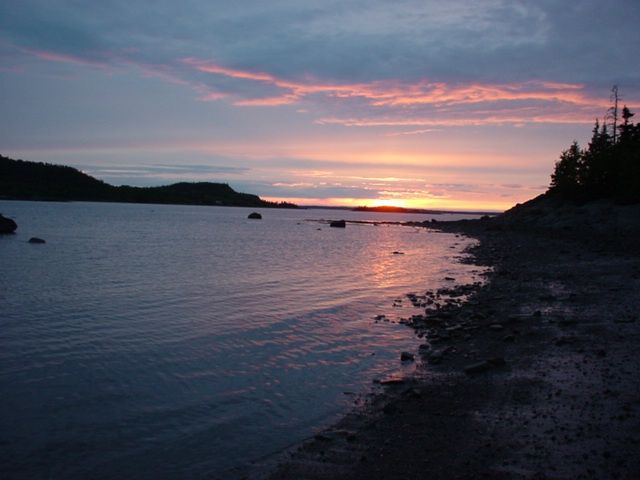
459, 107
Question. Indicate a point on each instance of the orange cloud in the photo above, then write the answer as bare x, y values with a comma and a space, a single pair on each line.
552, 100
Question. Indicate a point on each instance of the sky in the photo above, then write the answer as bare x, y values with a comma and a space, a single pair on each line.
457, 104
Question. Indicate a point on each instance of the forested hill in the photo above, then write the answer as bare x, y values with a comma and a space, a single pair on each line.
22, 180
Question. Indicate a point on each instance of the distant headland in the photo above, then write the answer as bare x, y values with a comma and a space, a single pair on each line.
24, 180
392, 209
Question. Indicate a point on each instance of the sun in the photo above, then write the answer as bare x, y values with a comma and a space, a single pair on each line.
388, 202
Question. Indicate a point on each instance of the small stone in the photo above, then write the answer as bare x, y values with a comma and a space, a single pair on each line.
497, 361
625, 320
255, 216
560, 341
407, 357
477, 368
484, 366
36, 240
389, 409
392, 381
338, 224
436, 357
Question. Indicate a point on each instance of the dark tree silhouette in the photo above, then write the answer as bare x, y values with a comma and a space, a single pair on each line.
21, 180
566, 175
608, 168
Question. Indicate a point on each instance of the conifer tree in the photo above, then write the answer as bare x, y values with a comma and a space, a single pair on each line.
564, 179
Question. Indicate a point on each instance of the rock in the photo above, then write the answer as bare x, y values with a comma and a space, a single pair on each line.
389, 409
560, 341
484, 366
407, 357
497, 361
477, 368
435, 357
255, 216
392, 381
629, 319
36, 240
7, 225
338, 224
398, 253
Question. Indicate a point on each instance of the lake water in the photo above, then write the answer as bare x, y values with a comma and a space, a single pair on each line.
147, 341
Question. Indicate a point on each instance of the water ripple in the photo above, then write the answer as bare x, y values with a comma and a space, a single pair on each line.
144, 336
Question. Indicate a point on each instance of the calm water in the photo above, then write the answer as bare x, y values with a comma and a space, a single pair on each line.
146, 341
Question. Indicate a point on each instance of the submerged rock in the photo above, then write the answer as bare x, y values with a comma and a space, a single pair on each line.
255, 216
338, 224
36, 240
7, 225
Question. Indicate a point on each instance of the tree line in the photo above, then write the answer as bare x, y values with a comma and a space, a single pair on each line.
24, 180
609, 167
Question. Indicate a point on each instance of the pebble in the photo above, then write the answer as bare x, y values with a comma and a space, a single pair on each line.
480, 367
407, 357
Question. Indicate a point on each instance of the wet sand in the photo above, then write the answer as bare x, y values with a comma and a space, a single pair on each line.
537, 376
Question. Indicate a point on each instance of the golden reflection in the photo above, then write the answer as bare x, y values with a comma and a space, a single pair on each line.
384, 264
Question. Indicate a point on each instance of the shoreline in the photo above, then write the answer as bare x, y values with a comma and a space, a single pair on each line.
534, 377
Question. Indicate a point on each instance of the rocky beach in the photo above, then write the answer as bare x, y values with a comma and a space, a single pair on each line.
535, 376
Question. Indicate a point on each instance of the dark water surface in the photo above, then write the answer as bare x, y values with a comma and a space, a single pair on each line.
146, 341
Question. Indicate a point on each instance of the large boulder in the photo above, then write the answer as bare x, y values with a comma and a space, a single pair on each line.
7, 225
338, 224
255, 216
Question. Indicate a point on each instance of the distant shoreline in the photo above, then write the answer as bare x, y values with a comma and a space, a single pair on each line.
402, 210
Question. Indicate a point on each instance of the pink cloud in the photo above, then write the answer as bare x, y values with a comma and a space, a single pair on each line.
382, 103
63, 58
552, 102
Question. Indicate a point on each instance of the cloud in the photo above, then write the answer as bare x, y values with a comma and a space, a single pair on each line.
157, 174
494, 41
